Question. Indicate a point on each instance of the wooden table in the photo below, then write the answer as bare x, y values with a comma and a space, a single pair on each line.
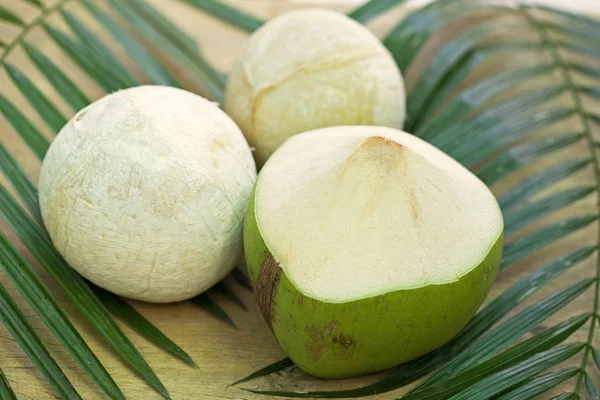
222, 353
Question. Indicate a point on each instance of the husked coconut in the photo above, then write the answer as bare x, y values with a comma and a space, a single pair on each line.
143, 193
368, 247
311, 69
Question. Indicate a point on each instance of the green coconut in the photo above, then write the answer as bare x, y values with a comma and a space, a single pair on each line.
367, 247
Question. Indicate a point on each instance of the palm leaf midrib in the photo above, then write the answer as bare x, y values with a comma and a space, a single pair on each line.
554, 51
45, 12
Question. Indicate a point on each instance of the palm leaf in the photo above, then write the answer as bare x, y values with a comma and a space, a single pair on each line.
241, 278
228, 14
204, 302
522, 155
22, 275
147, 22
229, 294
528, 214
591, 389
122, 309
21, 183
6, 391
99, 53
14, 320
269, 369
153, 69
30, 134
9, 16
40, 103
372, 8
82, 57
566, 396
540, 384
63, 85
540, 181
510, 377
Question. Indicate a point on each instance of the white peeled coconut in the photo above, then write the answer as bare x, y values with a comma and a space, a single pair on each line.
312, 69
368, 247
143, 192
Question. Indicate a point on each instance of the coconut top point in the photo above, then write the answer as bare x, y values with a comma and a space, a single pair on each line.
311, 69
390, 244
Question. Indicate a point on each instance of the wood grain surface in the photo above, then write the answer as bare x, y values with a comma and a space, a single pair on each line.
222, 353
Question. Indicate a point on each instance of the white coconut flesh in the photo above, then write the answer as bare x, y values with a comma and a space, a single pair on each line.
355, 212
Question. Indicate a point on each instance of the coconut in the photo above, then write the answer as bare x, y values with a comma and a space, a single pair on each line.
143, 192
312, 69
367, 247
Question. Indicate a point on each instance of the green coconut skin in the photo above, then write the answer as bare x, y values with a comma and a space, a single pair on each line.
337, 340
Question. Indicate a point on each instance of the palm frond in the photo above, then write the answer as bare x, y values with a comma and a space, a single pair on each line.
523, 155
269, 369
32, 137
204, 302
519, 373
123, 310
23, 277
528, 214
9, 16
84, 59
63, 85
566, 396
591, 389
241, 278
526, 245
99, 53
229, 294
540, 384
372, 8
40, 103
6, 391
153, 69
20, 183
228, 14
148, 23
540, 181
14, 320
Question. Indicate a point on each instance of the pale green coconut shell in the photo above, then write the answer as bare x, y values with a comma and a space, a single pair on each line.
335, 340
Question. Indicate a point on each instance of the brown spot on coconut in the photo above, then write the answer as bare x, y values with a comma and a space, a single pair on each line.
265, 287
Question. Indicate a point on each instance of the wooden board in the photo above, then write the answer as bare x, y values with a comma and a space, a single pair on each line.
222, 353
